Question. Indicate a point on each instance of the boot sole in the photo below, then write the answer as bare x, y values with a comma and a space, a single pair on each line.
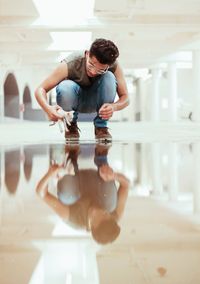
72, 139
104, 140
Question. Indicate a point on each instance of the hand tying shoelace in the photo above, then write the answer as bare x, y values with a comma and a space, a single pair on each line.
65, 121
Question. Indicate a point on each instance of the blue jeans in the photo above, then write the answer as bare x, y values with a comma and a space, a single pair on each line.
70, 96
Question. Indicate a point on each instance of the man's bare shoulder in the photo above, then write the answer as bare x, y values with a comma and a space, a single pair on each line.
79, 54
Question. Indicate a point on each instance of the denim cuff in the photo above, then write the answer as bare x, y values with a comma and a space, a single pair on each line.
100, 160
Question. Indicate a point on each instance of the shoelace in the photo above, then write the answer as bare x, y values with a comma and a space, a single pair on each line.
64, 122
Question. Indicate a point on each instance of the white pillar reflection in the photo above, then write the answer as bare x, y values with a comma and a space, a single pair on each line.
129, 156
2, 166
173, 172
1, 185
196, 176
2, 182
142, 165
156, 169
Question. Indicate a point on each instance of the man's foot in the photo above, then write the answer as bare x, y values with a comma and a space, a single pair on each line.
72, 134
102, 134
72, 152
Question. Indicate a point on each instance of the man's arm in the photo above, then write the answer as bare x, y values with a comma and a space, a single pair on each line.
107, 174
107, 110
122, 194
59, 74
122, 90
42, 191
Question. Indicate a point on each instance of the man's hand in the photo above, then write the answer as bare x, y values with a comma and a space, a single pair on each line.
53, 113
106, 111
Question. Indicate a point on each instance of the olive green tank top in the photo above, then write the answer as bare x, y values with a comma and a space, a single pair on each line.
76, 63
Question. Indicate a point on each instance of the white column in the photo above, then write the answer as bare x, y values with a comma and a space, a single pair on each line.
196, 84
128, 114
141, 95
155, 102
133, 97
1, 97
172, 79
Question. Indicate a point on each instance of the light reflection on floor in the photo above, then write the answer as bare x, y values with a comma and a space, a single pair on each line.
74, 214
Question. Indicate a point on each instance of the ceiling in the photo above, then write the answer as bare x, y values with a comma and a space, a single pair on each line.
146, 31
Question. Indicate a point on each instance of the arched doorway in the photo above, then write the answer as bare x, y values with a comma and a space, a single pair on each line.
11, 97
29, 112
27, 104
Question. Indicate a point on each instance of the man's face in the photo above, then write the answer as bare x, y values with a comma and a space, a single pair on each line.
94, 67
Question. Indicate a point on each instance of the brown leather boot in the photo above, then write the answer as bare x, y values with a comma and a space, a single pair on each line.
102, 134
72, 133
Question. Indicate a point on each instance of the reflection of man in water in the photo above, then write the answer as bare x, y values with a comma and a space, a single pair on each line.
88, 198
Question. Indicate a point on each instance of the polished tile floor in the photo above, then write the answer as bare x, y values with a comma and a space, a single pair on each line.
88, 213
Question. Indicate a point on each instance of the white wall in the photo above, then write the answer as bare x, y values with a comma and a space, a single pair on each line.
184, 90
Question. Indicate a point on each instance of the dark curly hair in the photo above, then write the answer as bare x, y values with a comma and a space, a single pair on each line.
106, 232
105, 51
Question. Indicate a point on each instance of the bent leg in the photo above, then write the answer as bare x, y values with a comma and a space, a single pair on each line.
106, 93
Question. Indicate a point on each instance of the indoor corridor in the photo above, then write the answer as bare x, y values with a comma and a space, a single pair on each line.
123, 212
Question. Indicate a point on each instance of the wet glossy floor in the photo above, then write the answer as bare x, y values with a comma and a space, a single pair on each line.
120, 214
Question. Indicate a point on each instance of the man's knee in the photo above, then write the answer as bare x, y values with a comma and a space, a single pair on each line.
109, 78
109, 83
66, 94
109, 87
65, 87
